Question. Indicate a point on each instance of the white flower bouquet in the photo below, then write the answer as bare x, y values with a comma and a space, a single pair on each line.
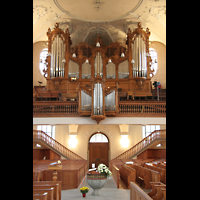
104, 169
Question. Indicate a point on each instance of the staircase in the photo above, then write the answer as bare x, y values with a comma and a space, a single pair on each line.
157, 135
54, 145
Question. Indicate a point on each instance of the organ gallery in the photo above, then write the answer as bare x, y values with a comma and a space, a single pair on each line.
96, 73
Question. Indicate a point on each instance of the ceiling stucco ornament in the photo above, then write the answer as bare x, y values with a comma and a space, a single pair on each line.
98, 4
38, 12
86, 11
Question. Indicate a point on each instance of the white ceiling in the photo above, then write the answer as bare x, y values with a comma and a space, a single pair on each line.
109, 18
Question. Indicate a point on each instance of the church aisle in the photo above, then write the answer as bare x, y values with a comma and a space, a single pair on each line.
108, 192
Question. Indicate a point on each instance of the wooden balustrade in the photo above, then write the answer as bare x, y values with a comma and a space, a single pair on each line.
126, 108
137, 193
56, 108
40, 135
157, 134
141, 108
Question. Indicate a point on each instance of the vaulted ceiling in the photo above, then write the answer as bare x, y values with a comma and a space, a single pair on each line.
109, 18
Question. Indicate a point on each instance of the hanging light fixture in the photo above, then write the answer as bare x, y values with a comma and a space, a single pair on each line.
98, 44
87, 61
74, 55
132, 61
109, 60
122, 54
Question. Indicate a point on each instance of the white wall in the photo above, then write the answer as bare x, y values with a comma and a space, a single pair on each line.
160, 76
84, 132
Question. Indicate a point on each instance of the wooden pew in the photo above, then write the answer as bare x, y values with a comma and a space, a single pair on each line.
42, 191
127, 175
164, 193
143, 176
159, 194
40, 196
158, 169
136, 193
76, 169
115, 175
57, 185
156, 193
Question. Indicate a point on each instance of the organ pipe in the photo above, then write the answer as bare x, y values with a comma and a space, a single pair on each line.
98, 99
139, 57
57, 57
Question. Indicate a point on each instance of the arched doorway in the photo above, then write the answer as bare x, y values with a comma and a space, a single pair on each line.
98, 148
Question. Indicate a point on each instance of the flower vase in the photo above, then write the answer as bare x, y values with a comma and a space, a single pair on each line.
84, 194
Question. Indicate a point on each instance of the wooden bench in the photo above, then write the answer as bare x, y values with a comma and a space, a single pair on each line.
127, 175
143, 176
158, 191
40, 196
115, 175
157, 169
57, 185
137, 193
42, 191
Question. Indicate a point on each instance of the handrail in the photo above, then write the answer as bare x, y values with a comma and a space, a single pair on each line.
56, 145
157, 134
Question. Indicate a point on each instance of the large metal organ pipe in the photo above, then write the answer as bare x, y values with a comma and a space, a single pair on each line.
139, 57
98, 99
57, 58
98, 66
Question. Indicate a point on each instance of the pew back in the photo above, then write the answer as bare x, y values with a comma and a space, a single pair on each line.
42, 191
40, 196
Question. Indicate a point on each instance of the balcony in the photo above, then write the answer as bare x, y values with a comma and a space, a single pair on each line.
126, 109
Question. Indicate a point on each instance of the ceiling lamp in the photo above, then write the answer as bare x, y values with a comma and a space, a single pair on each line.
109, 60
74, 55
132, 61
87, 61
98, 44
122, 55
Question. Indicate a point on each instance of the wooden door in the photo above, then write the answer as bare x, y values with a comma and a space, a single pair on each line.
98, 153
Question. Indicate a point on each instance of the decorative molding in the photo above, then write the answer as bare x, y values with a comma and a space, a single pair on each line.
97, 7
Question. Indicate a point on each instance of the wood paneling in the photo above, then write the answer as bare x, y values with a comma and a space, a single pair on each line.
71, 174
98, 153
152, 153
38, 154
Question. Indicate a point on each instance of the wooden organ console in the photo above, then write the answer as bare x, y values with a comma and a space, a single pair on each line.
98, 72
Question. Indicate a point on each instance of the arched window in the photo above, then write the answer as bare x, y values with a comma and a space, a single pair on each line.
154, 63
43, 56
98, 138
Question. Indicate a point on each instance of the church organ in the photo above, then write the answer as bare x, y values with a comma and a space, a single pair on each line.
97, 72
